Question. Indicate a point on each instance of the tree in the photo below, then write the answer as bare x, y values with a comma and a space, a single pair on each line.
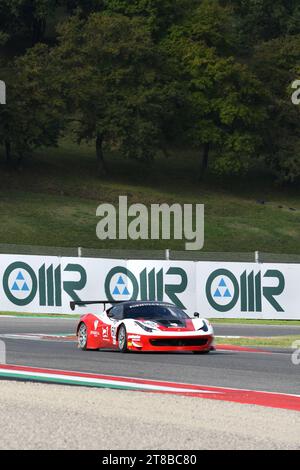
34, 114
224, 101
84, 6
26, 19
277, 64
159, 14
263, 20
111, 80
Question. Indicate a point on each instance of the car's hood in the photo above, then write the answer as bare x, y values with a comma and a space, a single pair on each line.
171, 325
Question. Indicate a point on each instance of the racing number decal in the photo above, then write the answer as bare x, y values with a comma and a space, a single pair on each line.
113, 330
105, 332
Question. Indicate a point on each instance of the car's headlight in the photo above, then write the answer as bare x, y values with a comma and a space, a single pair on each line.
204, 327
146, 328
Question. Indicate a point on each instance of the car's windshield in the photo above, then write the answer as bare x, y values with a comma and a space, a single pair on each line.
154, 312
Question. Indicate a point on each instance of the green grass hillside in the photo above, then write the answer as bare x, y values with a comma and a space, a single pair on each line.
53, 201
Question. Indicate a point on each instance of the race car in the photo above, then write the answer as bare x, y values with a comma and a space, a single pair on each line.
143, 326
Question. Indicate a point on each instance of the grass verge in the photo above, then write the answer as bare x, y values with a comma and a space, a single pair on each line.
244, 321
37, 315
285, 342
234, 321
53, 201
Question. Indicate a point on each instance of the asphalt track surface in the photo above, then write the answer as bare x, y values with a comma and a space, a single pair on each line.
272, 371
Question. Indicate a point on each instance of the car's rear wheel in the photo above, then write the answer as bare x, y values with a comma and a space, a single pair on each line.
201, 352
82, 337
122, 339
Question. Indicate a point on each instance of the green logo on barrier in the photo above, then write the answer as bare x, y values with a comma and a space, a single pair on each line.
22, 284
122, 284
224, 290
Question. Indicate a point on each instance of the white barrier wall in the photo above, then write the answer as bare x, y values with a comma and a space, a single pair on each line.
248, 290
39, 284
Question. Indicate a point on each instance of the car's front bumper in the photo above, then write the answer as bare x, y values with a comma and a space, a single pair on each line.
161, 343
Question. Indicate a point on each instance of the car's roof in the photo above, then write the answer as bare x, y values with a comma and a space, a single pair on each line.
129, 303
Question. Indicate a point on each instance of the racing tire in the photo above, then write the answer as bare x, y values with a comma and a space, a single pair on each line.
201, 352
82, 337
122, 339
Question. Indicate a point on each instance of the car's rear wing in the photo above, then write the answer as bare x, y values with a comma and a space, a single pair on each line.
84, 303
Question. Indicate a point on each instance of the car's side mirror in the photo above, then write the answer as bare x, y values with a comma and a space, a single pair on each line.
197, 315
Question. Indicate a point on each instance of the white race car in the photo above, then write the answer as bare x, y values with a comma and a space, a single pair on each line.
143, 326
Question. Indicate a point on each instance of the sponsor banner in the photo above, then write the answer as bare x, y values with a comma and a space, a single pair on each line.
87, 279
38, 284
168, 281
30, 284
248, 290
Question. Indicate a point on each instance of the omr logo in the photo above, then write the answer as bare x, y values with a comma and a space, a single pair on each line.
224, 290
20, 283
120, 287
122, 284
21, 286
123, 287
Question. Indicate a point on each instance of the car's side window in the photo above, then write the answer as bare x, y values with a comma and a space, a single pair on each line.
116, 313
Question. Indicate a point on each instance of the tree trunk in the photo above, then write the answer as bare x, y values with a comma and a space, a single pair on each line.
101, 165
8, 152
204, 161
20, 161
38, 30
166, 152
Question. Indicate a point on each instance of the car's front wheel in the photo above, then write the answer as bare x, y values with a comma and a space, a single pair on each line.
82, 337
122, 339
201, 352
